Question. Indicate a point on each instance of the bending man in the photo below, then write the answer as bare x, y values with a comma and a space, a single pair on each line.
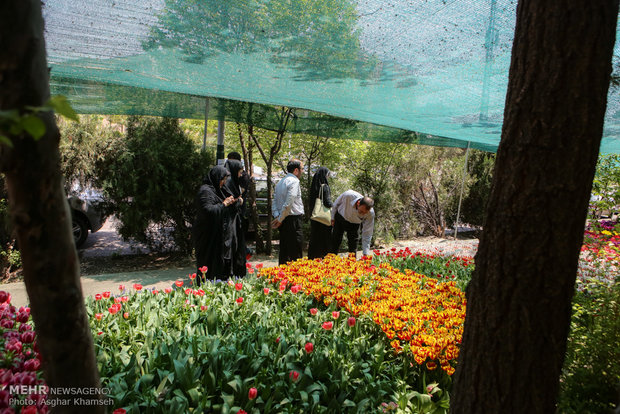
350, 210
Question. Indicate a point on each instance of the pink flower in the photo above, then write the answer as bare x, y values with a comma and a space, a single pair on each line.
309, 347
112, 309
238, 286
241, 411
203, 307
106, 294
203, 269
5, 297
168, 290
13, 345
27, 337
126, 315
328, 325
335, 314
98, 296
22, 317
188, 291
314, 311
7, 323
239, 301
266, 291
31, 409
294, 376
351, 321
98, 316
295, 289
121, 287
252, 393
32, 365
250, 271
137, 286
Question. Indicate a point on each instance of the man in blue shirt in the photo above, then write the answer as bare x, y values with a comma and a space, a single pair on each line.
288, 210
349, 211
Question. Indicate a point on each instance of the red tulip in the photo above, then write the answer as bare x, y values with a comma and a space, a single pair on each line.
314, 311
98, 296
27, 337
112, 310
120, 411
266, 291
31, 409
328, 325
241, 411
238, 286
106, 294
294, 376
168, 290
335, 314
32, 365
22, 317
239, 301
126, 315
203, 307
137, 286
351, 321
125, 298
5, 297
179, 283
259, 266
98, 316
203, 269
121, 287
278, 340
188, 291
309, 347
252, 393
155, 291
192, 276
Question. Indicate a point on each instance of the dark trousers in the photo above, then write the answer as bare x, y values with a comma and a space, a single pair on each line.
291, 239
320, 240
340, 226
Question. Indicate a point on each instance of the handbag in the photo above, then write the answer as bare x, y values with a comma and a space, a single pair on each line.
321, 213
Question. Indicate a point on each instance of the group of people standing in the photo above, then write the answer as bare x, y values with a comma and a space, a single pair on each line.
349, 212
220, 225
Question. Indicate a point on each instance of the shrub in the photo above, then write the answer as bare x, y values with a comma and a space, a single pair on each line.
150, 180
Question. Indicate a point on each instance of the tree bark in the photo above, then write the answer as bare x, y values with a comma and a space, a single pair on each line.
39, 209
519, 300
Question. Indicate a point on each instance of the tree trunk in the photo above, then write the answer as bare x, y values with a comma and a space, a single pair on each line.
519, 300
269, 203
39, 210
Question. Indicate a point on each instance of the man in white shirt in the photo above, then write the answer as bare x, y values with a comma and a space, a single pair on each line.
350, 210
288, 211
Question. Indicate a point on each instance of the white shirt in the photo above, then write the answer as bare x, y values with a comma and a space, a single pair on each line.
345, 205
287, 198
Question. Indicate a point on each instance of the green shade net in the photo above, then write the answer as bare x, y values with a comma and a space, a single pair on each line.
434, 72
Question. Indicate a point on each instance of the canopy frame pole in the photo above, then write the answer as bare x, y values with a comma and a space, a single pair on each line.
204, 136
458, 211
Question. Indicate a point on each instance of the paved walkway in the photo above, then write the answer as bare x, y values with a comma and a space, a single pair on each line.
165, 278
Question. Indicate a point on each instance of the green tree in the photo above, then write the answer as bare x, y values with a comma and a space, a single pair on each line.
40, 212
606, 185
480, 172
150, 179
519, 298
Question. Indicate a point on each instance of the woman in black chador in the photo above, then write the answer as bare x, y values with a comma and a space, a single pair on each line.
236, 187
213, 220
320, 234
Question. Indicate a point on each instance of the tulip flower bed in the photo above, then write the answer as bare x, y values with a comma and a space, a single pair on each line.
442, 267
19, 360
248, 347
600, 254
423, 318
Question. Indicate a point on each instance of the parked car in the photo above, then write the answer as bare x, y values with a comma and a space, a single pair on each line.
86, 215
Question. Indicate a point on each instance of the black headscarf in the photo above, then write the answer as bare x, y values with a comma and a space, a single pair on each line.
320, 177
234, 183
216, 175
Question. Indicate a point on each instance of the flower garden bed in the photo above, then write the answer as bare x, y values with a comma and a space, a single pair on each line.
333, 335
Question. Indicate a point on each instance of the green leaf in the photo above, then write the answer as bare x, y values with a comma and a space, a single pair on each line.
61, 106
6, 141
33, 125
